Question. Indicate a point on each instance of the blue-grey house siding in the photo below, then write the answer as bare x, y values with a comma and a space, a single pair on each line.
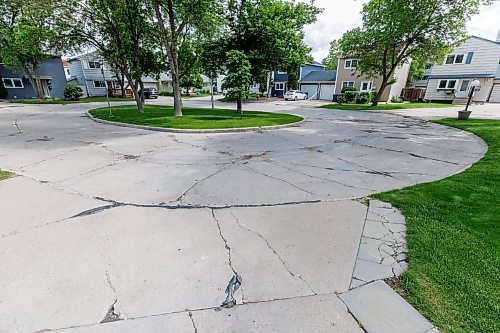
53, 80
308, 68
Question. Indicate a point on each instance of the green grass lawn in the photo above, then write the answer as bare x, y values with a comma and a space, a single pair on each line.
61, 101
454, 241
193, 118
395, 106
5, 175
194, 95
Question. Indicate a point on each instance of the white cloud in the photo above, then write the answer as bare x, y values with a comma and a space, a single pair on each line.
342, 15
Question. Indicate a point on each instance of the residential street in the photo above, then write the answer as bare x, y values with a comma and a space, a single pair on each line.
150, 227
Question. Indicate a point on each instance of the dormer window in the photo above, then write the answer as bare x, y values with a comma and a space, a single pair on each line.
351, 63
455, 59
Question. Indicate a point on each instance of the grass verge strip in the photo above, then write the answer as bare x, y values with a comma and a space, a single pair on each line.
395, 106
454, 241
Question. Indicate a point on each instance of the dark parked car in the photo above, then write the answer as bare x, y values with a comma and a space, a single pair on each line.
150, 92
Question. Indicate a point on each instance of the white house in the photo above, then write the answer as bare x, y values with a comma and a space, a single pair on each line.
476, 59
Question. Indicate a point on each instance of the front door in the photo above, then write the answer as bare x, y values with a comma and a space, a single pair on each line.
45, 87
463, 89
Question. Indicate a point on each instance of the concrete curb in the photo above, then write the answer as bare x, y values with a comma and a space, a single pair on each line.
190, 131
382, 255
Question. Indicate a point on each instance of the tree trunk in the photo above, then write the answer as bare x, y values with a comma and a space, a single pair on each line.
143, 97
35, 82
135, 89
383, 85
171, 49
212, 92
268, 84
239, 107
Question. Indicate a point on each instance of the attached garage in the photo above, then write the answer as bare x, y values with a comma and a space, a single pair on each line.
327, 91
319, 85
495, 93
310, 89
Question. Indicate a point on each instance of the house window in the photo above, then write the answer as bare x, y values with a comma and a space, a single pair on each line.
447, 84
99, 84
351, 63
454, 59
366, 86
465, 85
13, 83
94, 64
346, 84
279, 86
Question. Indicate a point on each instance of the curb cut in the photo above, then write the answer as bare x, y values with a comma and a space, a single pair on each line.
203, 131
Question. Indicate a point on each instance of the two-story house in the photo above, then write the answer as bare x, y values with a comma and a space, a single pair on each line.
476, 59
51, 74
317, 82
347, 76
87, 71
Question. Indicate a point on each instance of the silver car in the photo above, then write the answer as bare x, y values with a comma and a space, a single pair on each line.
293, 95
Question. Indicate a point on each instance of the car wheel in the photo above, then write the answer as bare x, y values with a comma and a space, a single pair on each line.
295, 98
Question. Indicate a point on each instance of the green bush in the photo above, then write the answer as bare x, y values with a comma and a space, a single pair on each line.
365, 97
341, 100
166, 93
345, 89
73, 92
350, 96
395, 99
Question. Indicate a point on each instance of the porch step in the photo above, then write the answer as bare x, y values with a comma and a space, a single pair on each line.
460, 101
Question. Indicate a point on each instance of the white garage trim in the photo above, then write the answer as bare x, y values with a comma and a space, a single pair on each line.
495, 93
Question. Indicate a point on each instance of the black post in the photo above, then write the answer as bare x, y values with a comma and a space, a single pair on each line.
470, 98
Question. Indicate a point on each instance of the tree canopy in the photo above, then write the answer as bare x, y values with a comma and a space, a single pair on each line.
395, 31
332, 59
32, 31
238, 76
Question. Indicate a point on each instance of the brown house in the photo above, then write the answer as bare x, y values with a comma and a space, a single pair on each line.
347, 76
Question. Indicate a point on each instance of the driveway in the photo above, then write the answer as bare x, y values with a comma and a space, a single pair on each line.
108, 223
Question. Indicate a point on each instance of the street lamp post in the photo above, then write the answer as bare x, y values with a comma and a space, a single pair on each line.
466, 113
101, 62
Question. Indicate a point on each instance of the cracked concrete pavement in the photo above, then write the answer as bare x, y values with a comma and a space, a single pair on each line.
112, 229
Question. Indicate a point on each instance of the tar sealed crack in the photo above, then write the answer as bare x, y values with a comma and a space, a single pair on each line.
111, 316
233, 285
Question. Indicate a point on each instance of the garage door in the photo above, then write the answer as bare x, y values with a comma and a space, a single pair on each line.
495, 94
327, 91
310, 90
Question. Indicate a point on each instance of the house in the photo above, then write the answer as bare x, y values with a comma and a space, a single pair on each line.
52, 77
347, 76
317, 82
280, 80
476, 59
92, 74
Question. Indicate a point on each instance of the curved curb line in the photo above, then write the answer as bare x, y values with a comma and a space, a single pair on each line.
190, 131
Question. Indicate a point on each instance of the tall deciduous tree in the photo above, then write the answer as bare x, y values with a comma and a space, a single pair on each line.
238, 77
332, 59
32, 31
270, 33
394, 31
125, 36
175, 17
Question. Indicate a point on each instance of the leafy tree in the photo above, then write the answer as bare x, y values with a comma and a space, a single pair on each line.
238, 77
394, 31
32, 31
175, 17
332, 59
193, 80
270, 33
212, 62
125, 36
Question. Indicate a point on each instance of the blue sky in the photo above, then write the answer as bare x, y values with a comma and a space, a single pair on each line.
342, 15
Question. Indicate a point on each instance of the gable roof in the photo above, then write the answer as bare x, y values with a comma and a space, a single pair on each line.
485, 40
320, 76
315, 63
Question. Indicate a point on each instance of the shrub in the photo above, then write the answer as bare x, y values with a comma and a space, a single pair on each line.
73, 92
364, 97
341, 100
166, 93
395, 99
345, 89
350, 96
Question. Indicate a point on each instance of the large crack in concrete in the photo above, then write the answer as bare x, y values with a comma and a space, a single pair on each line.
283, 262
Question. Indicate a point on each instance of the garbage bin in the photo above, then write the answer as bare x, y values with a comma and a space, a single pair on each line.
336, 98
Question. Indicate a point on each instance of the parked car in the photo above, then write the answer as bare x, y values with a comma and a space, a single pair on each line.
150, 92
295, 95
